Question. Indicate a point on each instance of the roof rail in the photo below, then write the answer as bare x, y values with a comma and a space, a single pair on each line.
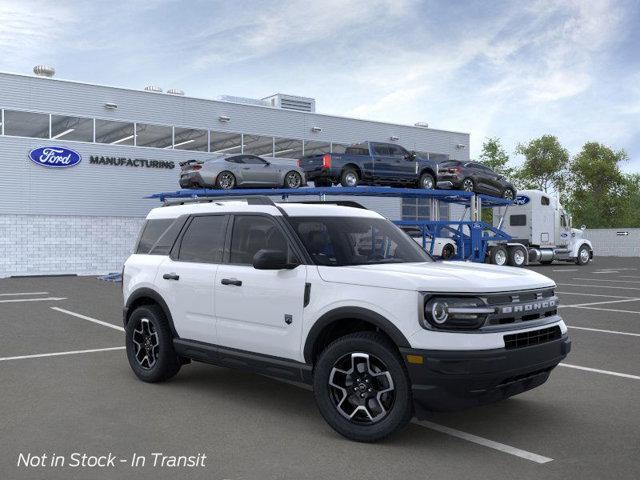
250, 199
340, 203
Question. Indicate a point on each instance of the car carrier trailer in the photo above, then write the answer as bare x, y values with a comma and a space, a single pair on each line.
474, 239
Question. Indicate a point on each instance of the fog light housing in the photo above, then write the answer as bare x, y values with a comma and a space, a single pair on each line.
455, 313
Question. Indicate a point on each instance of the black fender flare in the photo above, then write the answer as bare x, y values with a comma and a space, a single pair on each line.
352, 313
157, 298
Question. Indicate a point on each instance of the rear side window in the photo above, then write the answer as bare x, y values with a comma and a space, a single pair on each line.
517, 220
381, 149
203, 241
168, 238
357, 150
151, 232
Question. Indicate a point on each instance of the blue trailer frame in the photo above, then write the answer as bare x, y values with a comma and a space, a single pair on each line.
471, 237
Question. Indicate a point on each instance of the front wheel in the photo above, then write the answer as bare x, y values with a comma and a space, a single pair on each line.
584, 255
508, 194
362, 388
149, 345
226, 181
427, 182
468, 185
292, 180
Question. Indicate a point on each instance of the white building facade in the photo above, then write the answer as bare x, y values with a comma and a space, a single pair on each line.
84, 219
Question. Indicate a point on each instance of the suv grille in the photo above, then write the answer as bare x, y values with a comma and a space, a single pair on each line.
516, 307
535, 337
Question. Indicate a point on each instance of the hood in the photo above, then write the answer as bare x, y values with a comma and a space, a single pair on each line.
458, 277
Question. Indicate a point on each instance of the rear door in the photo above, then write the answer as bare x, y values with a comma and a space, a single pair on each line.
186, 278
259, 310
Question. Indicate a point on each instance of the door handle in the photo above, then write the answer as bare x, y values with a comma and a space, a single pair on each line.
231, 281
171, 276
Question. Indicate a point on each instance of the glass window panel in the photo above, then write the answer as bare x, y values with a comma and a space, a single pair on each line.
258, 145
203, 241
157, 136
72, 128
288, 148
26, 124
338, 147
316, 148
190, 139
223, 142
115, 133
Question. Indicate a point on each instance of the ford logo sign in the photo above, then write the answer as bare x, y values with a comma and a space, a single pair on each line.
55, 157
521, 200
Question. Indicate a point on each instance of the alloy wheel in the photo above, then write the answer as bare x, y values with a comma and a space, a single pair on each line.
361, 388
584, 255
500, 257
467, 185
518, 257
508, 194
351, 179
427, 182
293, 180
226, 181
146, 343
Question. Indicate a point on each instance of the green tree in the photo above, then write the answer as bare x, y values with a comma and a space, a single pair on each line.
599, 193
545, 165
495, 157
631, 202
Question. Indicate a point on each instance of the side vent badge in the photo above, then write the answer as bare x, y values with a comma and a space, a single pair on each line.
288, 319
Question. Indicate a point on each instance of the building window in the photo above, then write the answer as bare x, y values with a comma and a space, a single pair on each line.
114, 133
26, 124
190, 139
157, 136
287, 148
224, 142
258, 145
419, 209
316, 148
71, 128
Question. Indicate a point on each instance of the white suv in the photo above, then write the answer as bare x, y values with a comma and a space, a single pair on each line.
340, 298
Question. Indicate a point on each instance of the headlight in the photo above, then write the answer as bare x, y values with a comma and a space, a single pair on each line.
455, 313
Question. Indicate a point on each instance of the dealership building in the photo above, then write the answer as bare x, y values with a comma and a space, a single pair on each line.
84, 218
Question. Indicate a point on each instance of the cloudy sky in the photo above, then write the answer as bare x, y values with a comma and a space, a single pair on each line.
515, 69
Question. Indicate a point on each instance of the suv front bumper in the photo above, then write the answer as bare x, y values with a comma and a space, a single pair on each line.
453, 380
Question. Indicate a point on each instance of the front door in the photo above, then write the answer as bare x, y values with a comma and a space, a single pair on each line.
186, 279
259, 310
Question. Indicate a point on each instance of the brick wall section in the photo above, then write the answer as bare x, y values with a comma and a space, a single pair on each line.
45, 244
607, 243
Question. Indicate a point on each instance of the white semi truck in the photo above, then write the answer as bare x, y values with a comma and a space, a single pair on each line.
539, 225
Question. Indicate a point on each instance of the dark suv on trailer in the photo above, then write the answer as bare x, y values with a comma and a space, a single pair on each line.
474, 177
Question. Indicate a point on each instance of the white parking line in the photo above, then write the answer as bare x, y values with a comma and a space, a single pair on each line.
43, 299
628, 276
605, 280
592, 303
596, 286
599, 330
592, 294
534, 457
610, 310
485, 442
596, 370
23, 293
89, 319
565, 269
57, 354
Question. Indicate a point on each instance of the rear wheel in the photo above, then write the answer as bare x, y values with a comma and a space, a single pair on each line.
362, 388
508, 194
292, 179
149, 345
517, 256
427, 182
499, 255
468, 185
349, 178
225, 180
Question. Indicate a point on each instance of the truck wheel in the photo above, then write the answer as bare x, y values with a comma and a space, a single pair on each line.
584, 255
349, 178
362, 388
427, 182
517, 256
448, 251
149, 345
499, 255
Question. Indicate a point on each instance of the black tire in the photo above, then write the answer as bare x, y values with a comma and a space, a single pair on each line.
584, 255
509, 194
322, 182
499, 255
546, 262
448, 251
221, 180
468, 185
517, 257
290, 182
427, 182
349, 177
167, 363
381, 353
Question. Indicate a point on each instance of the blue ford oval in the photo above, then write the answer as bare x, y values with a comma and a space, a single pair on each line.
55, 157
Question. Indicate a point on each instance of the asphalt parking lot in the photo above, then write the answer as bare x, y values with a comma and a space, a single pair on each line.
66, 387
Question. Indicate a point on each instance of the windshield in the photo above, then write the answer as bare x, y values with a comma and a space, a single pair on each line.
342, 241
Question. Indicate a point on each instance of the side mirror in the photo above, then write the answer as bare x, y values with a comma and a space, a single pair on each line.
271, 260
410, 156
